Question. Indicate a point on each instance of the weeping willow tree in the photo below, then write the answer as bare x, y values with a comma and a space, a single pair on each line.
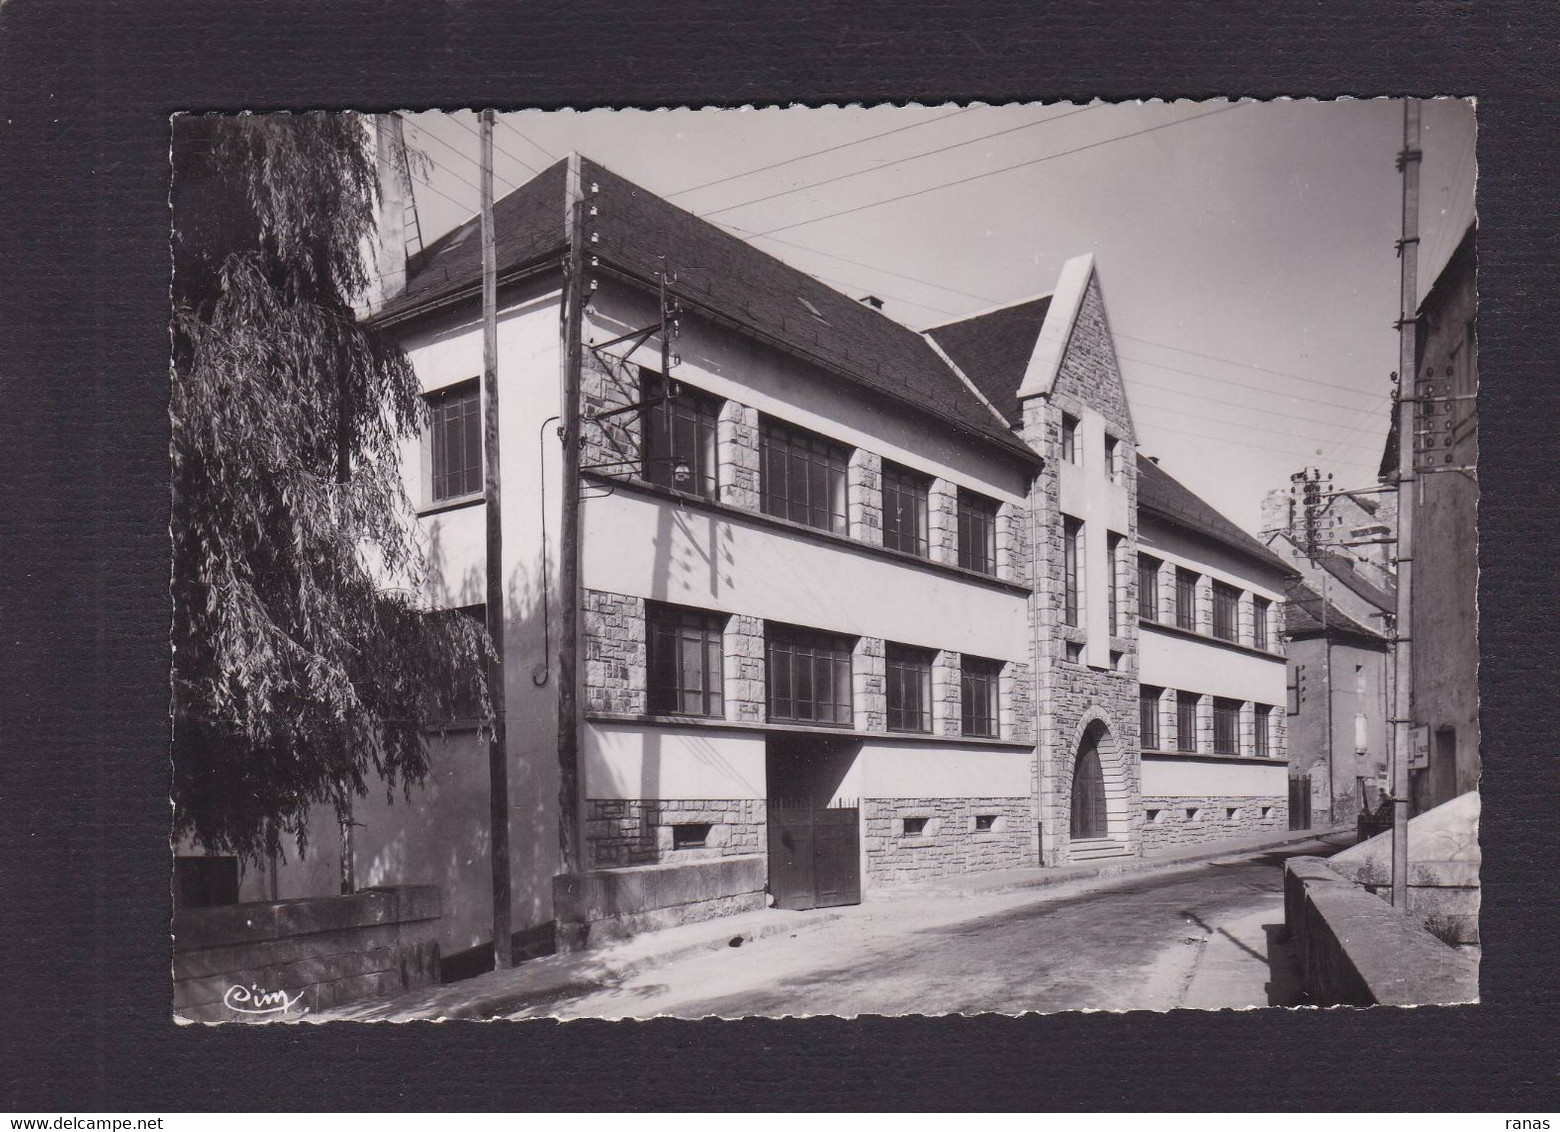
304, 666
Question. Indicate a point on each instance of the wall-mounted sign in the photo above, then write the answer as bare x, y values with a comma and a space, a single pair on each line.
1419, 747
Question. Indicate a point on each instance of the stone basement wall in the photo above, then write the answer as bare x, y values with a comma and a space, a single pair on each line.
597, 907
629, 832
615, 661
951, 846
1173, 829
318, 952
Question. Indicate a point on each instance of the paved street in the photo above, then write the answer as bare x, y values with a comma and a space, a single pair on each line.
1201, 936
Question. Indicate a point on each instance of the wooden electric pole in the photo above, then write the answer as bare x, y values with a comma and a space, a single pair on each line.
498, 754
1403, 698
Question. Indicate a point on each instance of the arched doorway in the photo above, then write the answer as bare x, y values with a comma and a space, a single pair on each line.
1088, 787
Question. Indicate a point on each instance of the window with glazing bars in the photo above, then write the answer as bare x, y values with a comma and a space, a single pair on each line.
979, 681
977, 532
802, 477
1186, 721
1226, 727
455, 422
685, 656
1148, 587
1113, 581
1069, 439
1148, 718
1186, 599
1263, 734
1072, 570
809, 676
1226, 612
909, 673
904, 510
1112, 456
1259, 621
678, 430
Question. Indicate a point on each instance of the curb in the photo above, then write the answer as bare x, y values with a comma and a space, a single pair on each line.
1130, 866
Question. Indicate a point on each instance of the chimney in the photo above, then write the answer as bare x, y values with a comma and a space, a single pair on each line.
872, 301
395, 216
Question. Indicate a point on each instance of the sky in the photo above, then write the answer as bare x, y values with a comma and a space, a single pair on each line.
1246, 251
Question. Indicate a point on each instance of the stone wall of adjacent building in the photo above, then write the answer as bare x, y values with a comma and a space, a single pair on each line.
624, 832
949, 845
615, 664
610, 446
1167, 824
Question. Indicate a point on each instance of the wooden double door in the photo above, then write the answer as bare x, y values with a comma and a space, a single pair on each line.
814, 855
1088, 791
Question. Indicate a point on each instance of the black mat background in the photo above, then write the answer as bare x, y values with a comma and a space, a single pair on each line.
84, 987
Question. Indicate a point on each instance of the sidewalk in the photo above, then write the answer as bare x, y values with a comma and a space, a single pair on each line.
554, 978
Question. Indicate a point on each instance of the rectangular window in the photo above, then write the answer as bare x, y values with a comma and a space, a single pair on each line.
455, 423
978, 696
459, 705
1069, 439
1226, 612
1148, 587
1113, 582
909, 675
1112, 456
685, 657
1072, 571
914, 827
1259, 622
985, 823
690, 835
977, 532
678, 435
904, 510
802, 477
809, 676
1185, 600
1186, 721
1226, 727
1074, 652
1148, 718
1264, 731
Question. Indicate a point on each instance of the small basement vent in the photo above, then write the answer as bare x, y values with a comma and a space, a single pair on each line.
985, 823
915, 827
690, 835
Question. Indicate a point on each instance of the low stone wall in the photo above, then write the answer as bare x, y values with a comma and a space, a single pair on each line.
621, 833
609, 904
1167, 825
949, 843
1354, 949
266, 962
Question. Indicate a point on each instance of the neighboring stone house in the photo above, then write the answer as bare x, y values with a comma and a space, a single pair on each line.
857, 606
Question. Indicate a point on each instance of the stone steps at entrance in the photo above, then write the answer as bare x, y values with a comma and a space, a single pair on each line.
1094, 849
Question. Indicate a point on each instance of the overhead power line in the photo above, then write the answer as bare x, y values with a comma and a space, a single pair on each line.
523, 164
451, 172
1345, 461
543, 150
896, 161
1232, 362
1246, 385
1004, 169
1181, 391
818, 153
1288, 433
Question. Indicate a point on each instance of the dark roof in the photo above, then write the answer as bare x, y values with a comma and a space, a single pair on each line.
1366, 503
1304, 611
638, 234
1343, 570
993, 350
1161, 494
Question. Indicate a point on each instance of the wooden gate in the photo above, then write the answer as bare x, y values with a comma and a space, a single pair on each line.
1300, 802
1088, 793
814, 855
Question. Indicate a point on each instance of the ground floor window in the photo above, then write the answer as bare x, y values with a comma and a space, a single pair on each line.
1226, 727
1264, 734
809, 676
685, 658
978, 696
909, 674
1186, 721
1148, 718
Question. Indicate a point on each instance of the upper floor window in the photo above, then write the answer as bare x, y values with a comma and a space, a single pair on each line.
1112, 456
1148, 717
909, 673
1226, 612
1072, 571
1186, 721
1226, 727
1185, 599
459, 704
904, 510
1148, 587
1264, 731
977, 532
802, 476
1069, 439
455, 432
1113, 553
685, 657
979, 681
1259, 621
678, 436
809, 676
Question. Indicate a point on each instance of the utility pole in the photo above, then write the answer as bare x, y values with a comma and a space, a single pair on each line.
571, 857
1402, 708
498, 753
